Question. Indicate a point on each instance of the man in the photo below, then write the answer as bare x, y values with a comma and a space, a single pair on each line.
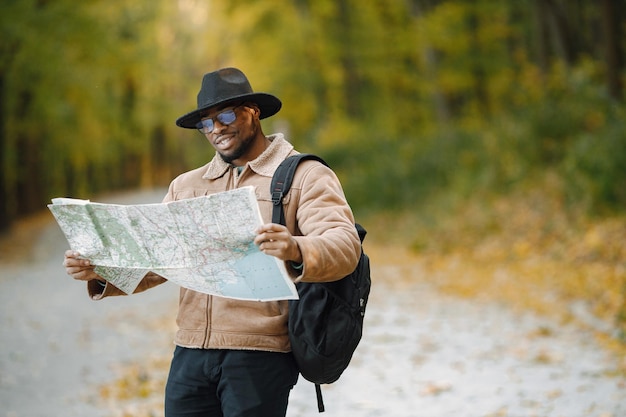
232, 357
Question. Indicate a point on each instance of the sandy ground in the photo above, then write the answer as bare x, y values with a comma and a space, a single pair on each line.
423, 353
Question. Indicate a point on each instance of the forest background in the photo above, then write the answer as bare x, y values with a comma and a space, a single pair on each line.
487, 137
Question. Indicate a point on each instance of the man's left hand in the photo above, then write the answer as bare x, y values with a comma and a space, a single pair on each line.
274, 239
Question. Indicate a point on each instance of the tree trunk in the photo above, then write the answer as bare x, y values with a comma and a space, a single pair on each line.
478, 59
5, 219
611, 13
351, 77
562, 33
542, 38
420, 8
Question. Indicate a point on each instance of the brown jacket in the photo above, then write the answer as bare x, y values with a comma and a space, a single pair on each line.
316, 213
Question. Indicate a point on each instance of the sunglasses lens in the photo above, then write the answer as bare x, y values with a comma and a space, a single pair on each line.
205, 125
227, 117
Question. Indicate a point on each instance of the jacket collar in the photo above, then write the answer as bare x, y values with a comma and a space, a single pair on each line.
265, 164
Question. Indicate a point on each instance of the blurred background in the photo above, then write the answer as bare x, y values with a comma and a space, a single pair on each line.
490, 133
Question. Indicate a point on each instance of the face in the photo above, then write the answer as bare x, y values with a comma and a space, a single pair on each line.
236, 141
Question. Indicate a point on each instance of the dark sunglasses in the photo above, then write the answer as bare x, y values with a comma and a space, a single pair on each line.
226, 117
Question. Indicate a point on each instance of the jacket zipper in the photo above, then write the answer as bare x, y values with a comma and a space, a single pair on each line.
209, 306
209, 300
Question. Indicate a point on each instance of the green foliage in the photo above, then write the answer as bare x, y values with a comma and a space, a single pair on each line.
84, 103
407, 99
595, 165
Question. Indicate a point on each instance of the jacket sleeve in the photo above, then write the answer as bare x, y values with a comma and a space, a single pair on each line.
326, 235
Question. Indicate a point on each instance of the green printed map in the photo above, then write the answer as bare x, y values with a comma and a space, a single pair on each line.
204, 244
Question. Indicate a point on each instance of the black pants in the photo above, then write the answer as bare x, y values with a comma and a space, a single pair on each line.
229, 383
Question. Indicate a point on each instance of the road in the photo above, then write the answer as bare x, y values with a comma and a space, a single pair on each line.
423, 354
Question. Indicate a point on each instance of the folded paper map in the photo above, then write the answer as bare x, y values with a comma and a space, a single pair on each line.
205, 244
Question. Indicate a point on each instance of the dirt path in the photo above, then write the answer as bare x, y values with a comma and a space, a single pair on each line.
427, 354
423, 354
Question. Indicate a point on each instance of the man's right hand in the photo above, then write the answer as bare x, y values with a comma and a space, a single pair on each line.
78, 268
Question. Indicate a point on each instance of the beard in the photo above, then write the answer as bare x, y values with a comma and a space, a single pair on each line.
237, 153
240, 151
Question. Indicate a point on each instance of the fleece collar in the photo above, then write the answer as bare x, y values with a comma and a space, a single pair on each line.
265, 164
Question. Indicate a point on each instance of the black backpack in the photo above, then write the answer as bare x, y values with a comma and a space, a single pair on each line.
326, 322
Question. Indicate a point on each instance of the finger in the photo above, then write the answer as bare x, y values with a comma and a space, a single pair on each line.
265, 239
82, 274
75, 262
271, 228
262, 238
277, 248
75, 269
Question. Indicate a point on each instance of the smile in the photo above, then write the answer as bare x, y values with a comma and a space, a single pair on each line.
223, 141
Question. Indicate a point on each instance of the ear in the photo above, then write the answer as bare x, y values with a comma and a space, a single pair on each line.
255, 109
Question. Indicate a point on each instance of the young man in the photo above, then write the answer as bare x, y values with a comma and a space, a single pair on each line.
232, 357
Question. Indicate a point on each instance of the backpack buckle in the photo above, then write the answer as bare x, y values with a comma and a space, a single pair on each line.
277, 197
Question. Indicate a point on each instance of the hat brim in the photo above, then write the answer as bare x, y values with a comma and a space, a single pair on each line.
268, 104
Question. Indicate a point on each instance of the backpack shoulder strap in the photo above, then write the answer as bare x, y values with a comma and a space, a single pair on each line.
281, 182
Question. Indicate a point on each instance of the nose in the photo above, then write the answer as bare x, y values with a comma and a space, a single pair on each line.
217, 125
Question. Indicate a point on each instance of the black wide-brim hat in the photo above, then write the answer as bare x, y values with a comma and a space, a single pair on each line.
223, 86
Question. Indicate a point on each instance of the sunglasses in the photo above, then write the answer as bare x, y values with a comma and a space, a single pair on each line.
226, 117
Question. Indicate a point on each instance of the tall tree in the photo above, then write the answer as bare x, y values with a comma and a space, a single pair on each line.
612, 21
